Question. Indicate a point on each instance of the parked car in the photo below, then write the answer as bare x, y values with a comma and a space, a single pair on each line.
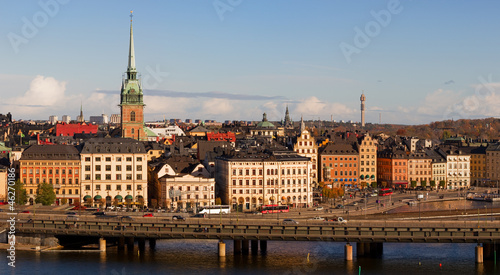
338, 219
179, 218
256, 213
317, 219
318, 208
71, 213
99, 214
200, 215
339, 206
26, 212
148, 215
72, 217
290, 221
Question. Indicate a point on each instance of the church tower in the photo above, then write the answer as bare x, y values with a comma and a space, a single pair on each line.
131, 104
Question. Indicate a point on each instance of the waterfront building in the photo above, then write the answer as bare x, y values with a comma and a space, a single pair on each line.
306, 146
58, 165
185, 184
419, 169
114, 171
477, 164
493, 163
339, 164
438, 168
367, 160
457, 167
392, 168
248, 180
3, 182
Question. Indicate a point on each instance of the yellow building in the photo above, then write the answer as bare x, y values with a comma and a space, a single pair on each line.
58, 165
367, 160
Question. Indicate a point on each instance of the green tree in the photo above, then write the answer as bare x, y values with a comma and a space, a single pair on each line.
45, 194
374, 184
21, 197
442, 183
413, 184
423, 183
433, 184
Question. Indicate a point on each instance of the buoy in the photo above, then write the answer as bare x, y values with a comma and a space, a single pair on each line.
307, 257
440, 265
419, 263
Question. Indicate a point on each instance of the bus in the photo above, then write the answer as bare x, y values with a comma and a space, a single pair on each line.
385, 192
274, 208
215, 209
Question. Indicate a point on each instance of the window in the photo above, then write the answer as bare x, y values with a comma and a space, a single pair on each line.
87, 187
118, 168
128, 159
87, 168
129, 168
118, 177
87, 177
118, 159
57, 171
108, 176
108, 187
139, 187
97, 168
139, 158
129, 187
98, 159
129, 176
132, 116
108, 158
108, 167
139, 168
118, 187
139, 176
98, 187
87, 158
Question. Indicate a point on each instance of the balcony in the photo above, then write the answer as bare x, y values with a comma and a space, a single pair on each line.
57, 186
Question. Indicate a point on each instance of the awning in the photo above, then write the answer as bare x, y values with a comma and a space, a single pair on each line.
362, 177
97, 197
129, 197
118, 197
87, 197
373, 176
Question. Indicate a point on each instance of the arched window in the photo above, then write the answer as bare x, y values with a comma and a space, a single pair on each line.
132, 116
132, 131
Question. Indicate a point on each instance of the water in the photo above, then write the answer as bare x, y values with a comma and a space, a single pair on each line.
200, 257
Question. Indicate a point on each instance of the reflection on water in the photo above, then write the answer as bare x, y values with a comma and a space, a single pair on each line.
200, 257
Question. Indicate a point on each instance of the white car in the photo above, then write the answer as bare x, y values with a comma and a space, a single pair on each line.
317, 219
318, 208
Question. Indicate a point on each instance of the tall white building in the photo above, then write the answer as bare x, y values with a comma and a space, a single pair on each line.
53, 119
114, 171
457, 168
66, 118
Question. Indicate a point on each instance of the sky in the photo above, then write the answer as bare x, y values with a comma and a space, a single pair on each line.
416, 61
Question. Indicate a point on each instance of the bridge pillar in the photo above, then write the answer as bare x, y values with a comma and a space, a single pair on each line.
152, 243
222, 249
141, 243
245, 245
348, 252
360, 249
102, 245
254, 244
130, 243
237, 246
479, 254
263, 247
376, 249
121, 243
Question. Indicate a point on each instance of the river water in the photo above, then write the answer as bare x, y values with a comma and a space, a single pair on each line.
200, 257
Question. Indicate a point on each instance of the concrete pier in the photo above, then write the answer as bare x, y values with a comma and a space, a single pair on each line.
479, 254
263, 247
141, 242
222, 249
237, 247
130, 243
254, 246
245, 247
121, 243
152, 244
102, 245
348, 252
360, 249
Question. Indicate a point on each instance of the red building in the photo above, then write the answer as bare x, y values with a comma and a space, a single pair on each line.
231, 137
64, 129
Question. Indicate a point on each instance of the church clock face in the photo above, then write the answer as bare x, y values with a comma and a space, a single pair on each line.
132, 90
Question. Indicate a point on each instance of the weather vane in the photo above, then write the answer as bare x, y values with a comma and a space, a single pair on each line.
131, 15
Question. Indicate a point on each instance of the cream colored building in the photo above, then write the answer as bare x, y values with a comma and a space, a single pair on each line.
420, 168
367, 160
457, 168
187, 191
114, 171
306, 146
249, 180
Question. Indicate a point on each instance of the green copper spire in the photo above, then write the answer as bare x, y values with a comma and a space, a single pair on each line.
131, 87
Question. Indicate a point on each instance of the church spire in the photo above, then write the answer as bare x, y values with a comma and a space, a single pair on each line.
131, 71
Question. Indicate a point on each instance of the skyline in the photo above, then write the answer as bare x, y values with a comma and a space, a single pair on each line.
234, 60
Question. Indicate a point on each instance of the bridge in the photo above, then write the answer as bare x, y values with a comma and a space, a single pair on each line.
368, 235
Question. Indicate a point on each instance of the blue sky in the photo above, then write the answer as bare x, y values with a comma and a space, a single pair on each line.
416, 61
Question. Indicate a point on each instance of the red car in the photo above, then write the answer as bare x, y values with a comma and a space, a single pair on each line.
148, 215
26, 211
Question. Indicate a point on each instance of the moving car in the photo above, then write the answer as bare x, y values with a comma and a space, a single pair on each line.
290, 221
148, 215
318, 208
177, 217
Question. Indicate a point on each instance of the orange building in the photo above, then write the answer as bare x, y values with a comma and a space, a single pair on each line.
392, 169
339, 164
